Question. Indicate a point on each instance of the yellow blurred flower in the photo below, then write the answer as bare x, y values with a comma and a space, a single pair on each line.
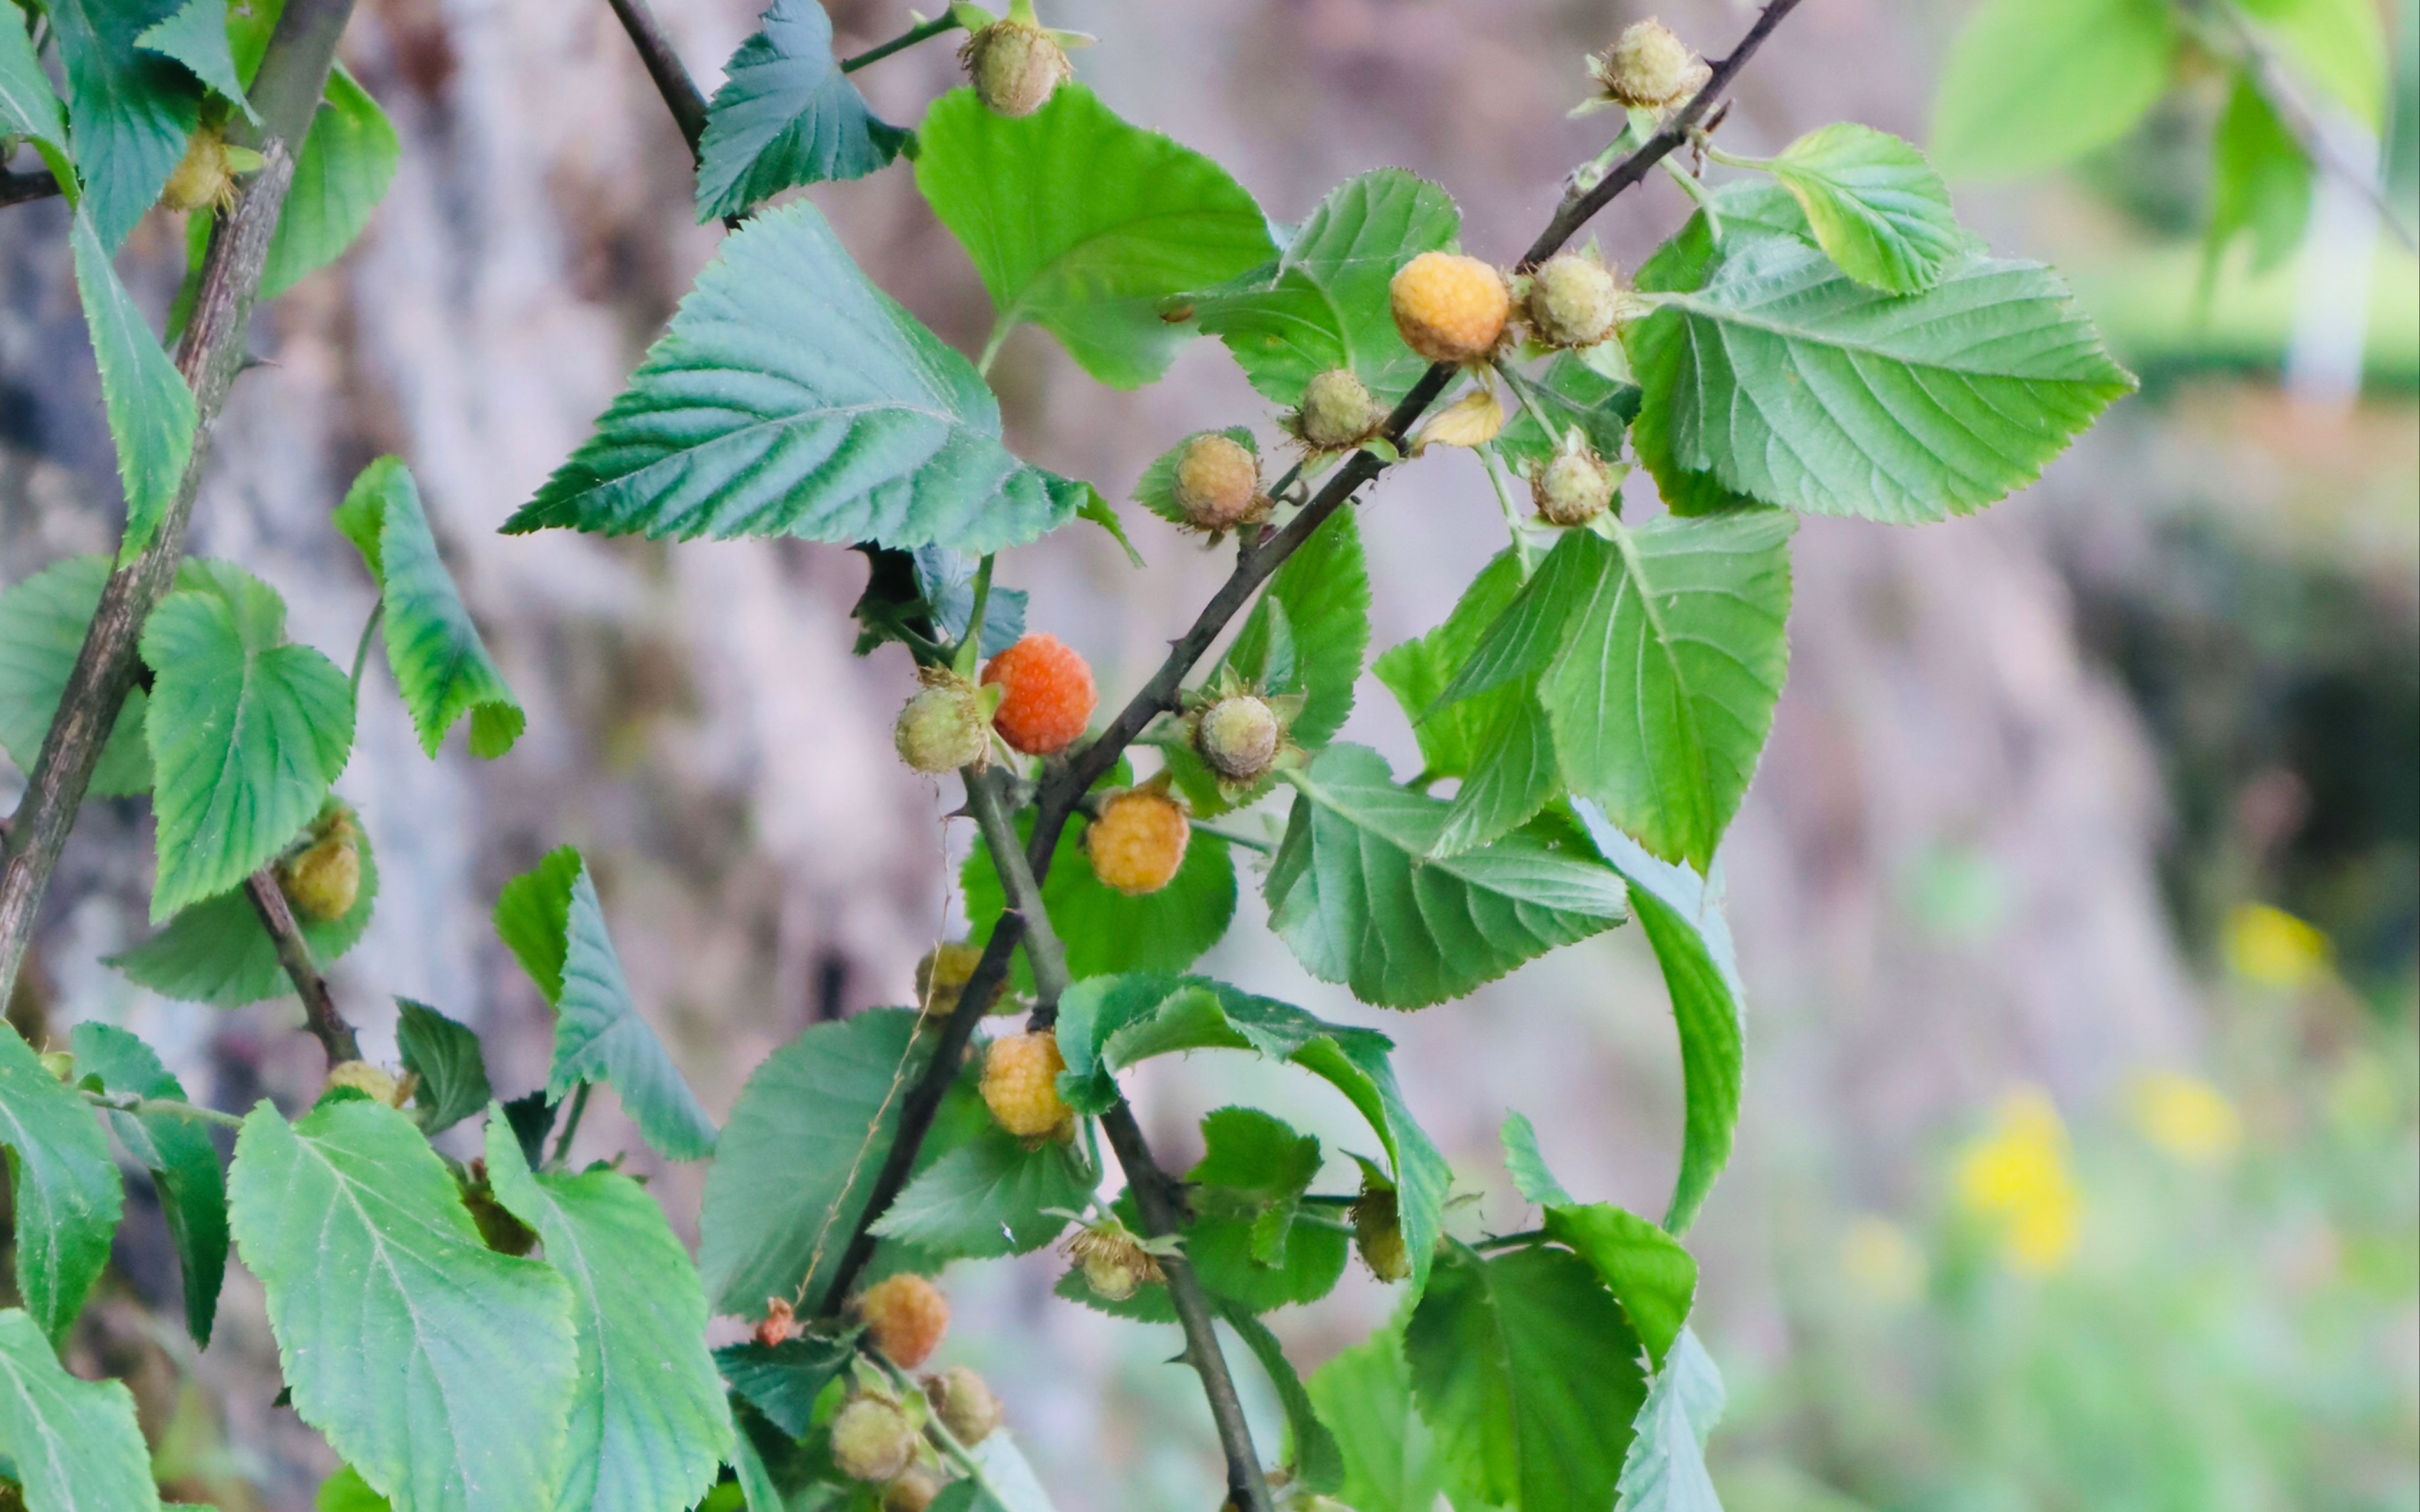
2187, 1116
1878, 1260
2272, 948
2015, 1178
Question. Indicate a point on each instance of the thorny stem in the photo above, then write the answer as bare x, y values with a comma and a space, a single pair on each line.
1156, 1194
319, 1015
286, 91
944, 22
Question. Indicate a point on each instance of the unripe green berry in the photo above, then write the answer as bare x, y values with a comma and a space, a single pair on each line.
1572, 488
1573, 301
911, 1492
1217, 482
1238, 737
1378, 1233
872, 1439
1015, 65
1337, 411
324, 881
944, 727
964, 1403
1650, 67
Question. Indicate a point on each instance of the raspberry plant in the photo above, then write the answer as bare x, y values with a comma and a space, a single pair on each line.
511, 1330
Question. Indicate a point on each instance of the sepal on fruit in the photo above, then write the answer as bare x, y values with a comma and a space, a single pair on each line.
1337, 412
1649, 68
1573, 300
1574, 486
1117, 1263
1242, 734
1017, 63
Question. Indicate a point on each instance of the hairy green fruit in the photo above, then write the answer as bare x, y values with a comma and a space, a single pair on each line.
1575, 301
324, 879
947, 724
872, 1439
1015, 65
1337, 412
911, 1492
965, 1404
1378, 1233
1238, 736
1647, 68
1573, 488
1217, 482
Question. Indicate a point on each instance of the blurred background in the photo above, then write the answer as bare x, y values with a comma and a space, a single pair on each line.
2077, 896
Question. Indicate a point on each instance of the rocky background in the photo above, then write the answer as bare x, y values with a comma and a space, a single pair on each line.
2013, 751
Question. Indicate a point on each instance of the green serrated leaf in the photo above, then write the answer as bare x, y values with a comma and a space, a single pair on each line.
1107, 1024
1322, 304
1419, 671
1318, 1461
991, 1196
1528, 1166
440, 664
1684, 920
75, 1443
1876, 206
1523, 1369
552, 920
783, 1381
649, 1425
786, 116
1789, 382
177, 1153
196, 37
1571, 395
1255, 1166
62, 1183
2260, 181
1085, 225
1364, 1396
246, 734
129, 111
1324, 590
344, 1491
2033, 83
1648, 1272
1514, 775
42, 624
375, 1275
1665, 1467
445, 1056
793, 397
796, 1162
151, 413
1106, 930
28, 106
1356, 893
1663, 692
216, 952
348, 160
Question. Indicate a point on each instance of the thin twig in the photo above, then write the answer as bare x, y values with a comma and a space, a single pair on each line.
286, 91
944, 22
162, 1105
18, 188
319, 1014
1158, 1198
571, 1123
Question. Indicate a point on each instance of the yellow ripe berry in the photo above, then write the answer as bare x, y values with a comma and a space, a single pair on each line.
872, 1439
1449, 308
375, 1082
1015, 65
1021, 1084
1337, 411
906, 1316
1237, 738
965, 1404
911, 1492
1572, 488
1573, 301
1650, 67
1378, 1233
1217, 482
1138, 842
943, 974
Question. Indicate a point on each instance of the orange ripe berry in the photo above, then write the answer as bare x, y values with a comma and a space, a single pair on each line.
906, 1316
1046, 695
1449, 308
1138, 842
